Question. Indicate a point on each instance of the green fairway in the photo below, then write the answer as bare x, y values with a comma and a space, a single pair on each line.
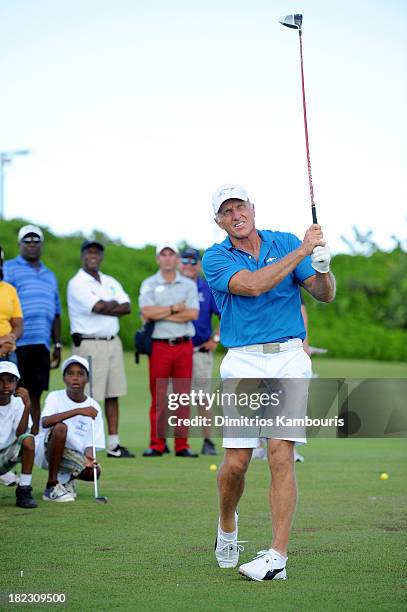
151, 546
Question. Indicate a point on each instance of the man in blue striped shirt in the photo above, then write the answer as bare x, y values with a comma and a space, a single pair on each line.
37, 289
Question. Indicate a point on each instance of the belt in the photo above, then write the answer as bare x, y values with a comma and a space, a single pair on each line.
200, 349
98, 337
270, 347
173, 341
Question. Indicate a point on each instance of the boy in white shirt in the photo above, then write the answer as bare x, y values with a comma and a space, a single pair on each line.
64, 443
16, 444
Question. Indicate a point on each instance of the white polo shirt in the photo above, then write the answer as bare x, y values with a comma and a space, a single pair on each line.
84, 291
10, 417
79, 432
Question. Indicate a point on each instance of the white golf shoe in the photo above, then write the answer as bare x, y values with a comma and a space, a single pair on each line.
227, 551
265, 566
70, 486
9, 479
298, 458
58, 493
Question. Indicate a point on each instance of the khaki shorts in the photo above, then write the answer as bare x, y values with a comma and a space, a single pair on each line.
108, 375
11, 455
72, 461
202, 371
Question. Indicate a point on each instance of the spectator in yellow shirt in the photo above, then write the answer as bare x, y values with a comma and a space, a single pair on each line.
11, 317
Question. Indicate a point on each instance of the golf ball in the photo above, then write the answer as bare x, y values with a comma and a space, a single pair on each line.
213, 467
384, 476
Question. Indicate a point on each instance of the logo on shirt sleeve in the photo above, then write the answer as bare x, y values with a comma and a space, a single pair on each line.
271, 259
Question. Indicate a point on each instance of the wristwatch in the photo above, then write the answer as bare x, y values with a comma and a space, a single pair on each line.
216, 338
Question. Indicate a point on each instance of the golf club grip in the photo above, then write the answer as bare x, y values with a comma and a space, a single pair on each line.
314, 213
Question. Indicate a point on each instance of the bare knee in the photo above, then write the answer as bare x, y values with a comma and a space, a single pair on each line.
280, 456
59, 430
237, 461
28, 443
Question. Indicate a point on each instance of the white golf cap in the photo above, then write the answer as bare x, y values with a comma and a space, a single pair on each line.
30, 229
228, 192
166, 245
75, 359
8, 367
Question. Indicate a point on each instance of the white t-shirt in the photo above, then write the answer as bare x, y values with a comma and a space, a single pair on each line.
10, 417
84, 291
79, 433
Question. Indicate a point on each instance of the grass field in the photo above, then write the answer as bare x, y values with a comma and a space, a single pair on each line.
151, 546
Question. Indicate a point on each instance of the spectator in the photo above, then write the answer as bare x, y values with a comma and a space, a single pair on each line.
171, 300
205, 341
11, 317
96, 301
37, 290
11, 328
16, 444
65, 440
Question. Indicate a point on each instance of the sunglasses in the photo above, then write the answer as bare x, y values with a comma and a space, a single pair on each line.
188, 260
32, 239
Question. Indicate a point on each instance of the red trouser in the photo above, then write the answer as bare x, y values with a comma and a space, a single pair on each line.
167, 362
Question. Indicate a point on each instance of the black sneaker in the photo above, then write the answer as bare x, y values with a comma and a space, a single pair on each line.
24, 497
186, 453
120, 451
208, 448
151, 452
166, 450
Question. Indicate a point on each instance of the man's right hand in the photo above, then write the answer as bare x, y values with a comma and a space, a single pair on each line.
7, 348
88, 411
313, 237
178, 307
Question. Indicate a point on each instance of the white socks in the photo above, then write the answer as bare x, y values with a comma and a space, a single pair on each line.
280, 558
112, 441
25, 480
229, 536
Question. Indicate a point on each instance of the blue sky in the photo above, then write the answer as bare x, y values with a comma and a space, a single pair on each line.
135, 111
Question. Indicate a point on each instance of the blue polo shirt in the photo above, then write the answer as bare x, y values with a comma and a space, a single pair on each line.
273, 316
207, 307
37, 289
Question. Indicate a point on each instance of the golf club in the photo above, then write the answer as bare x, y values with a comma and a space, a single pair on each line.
295, 22
99, 499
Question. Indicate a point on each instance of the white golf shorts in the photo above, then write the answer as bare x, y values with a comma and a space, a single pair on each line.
293, 363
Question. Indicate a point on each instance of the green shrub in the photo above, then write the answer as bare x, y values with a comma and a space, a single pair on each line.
367, 320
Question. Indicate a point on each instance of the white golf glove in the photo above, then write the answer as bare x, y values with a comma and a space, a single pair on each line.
321, 258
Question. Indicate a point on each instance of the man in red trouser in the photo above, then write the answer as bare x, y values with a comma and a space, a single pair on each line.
171, 300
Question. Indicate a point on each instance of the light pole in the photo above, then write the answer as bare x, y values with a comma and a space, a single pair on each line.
6, 158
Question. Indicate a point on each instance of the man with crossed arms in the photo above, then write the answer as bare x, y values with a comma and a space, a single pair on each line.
255, 277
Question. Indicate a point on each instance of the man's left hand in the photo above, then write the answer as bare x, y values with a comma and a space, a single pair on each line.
25, 396
56, 358
210, 345
90, 462
321, 258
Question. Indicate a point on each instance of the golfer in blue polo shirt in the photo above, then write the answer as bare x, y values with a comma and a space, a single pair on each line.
255, 277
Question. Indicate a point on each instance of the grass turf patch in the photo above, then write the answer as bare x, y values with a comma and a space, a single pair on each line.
151, 546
